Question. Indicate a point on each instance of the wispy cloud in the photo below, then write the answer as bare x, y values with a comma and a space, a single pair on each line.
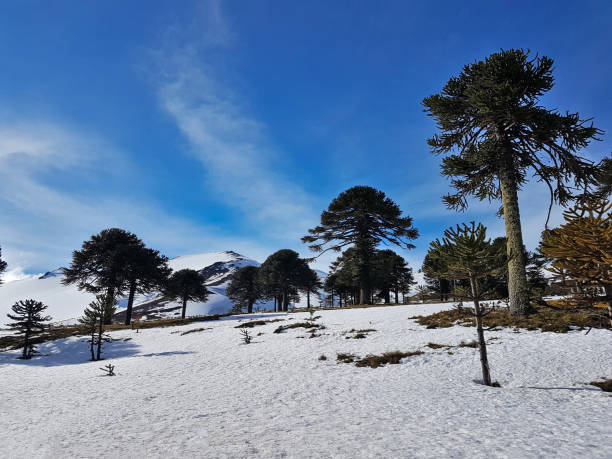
240, 161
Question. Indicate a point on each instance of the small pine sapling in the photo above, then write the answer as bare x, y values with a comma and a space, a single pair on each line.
246, 337
109, 369
28, 319
465, 253
94, 318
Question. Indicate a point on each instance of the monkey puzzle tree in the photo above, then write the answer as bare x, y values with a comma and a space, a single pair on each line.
28, 319
145, 270
282, 275
2, 265
310, 284
582, 246
466, 253
186, 285
245, 288
604, 178
490, 118
361, 217
102, 264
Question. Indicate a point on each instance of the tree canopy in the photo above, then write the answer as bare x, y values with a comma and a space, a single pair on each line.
494, 132
186, 285
2, 265
245, 288
362, 217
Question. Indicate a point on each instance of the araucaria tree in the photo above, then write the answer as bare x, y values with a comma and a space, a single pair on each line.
28, 319
146, 270
245, 288
581, 248
101, 266
282, 275
2, 265
186, 285
361, 217
466, 253
494, 133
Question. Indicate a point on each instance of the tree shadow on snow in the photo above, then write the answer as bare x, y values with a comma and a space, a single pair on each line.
69, 351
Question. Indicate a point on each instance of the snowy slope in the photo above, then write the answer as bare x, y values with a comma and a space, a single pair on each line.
205, 394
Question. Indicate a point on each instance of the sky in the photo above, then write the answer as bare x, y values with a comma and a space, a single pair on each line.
209, 126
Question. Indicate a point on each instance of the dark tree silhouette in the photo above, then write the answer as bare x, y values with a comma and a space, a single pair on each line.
361, 217
490, 118
282, 275
28, 319
245, 288
186, 285
93, 321
102, 263
146, 270
2, 265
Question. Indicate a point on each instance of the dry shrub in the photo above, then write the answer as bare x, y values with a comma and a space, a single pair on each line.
346, 358
546, 319
437, 346
282, 328
393, 358
257, 323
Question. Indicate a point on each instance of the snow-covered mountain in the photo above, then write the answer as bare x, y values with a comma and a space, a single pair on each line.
66, 303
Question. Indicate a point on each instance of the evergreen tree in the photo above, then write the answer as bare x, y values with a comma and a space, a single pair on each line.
310, 284
93, 320
28, 319
102, 264
282, 275
245, 288
466, 253
361, 217
391, 274
186, 285
604, 178
2, 265
582, 246
432, 278
490, 117
146, 271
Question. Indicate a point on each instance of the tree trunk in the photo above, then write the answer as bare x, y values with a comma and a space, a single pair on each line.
308, 299
26, 344
275, 304
250, 307
100, 333
518, 291
184, 311
396, 297
128, 311
92, 343
482, 345
110, 297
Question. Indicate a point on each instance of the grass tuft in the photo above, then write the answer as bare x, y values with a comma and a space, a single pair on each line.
257, 323
606, 385
392, 358
282, 328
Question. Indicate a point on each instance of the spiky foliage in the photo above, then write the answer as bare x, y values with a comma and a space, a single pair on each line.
102, 263
146, 271
582, 246
2, 265
311, 285
493, 133
604, 178
28, 319
361, 217
245, 288
282, 275
465, 253
186, 285
93, 320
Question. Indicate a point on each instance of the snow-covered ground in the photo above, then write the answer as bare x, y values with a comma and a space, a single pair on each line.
205, 394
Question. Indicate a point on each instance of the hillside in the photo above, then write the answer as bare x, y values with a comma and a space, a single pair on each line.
66, 303
205, 394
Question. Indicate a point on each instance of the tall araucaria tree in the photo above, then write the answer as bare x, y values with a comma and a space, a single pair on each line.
186, 285
245, 288
362, 217
494, 132
282, 275
101, 266
146, 270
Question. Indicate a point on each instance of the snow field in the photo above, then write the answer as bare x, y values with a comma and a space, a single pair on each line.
205, 394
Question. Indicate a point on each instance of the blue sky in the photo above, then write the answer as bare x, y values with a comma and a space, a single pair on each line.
208, 126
